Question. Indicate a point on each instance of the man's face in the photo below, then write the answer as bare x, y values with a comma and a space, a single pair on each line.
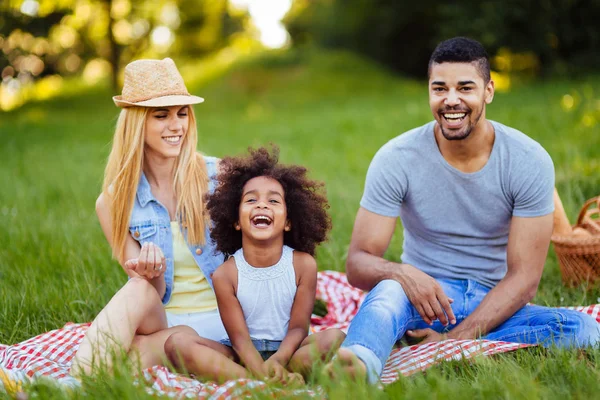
457, 97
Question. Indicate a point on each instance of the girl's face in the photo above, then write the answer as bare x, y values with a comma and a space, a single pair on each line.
262, 211
166, 128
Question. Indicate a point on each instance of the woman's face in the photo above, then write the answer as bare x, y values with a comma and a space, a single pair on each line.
166, 128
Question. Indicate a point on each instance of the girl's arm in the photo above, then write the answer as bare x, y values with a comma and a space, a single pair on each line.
306, 279
232, 315
132, 251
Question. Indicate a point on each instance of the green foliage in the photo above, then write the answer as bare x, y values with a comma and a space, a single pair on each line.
63, 37
328, 111
563, 35
399, 34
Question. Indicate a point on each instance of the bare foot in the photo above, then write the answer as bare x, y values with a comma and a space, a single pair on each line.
346, 363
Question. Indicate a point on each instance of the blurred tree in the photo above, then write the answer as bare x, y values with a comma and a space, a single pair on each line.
397, 33
564, 35
538, 36
68, 37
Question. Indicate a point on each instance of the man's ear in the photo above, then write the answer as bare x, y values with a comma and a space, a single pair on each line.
489, 92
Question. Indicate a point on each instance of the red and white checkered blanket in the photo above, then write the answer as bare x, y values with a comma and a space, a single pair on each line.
50, 354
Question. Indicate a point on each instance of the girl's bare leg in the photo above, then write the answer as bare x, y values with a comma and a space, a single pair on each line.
135, 309
203, 357
148, 350
318, 347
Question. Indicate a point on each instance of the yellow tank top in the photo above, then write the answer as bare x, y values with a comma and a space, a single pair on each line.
191, 291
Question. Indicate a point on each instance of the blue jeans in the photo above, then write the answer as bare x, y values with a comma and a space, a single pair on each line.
386, 314
266, 348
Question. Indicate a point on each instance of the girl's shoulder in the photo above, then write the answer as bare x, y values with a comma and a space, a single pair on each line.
304, 257
226, 271
304, 261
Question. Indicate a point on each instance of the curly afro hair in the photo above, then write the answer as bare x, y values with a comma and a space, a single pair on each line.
304, 198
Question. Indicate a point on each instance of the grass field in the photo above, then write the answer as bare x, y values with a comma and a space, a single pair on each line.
330, 112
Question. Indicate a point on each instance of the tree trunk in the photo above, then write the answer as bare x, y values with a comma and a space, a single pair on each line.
115, 51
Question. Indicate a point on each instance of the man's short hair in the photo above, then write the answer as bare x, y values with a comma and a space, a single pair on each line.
462, 50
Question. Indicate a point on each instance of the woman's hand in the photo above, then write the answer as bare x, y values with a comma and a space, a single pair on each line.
150, 263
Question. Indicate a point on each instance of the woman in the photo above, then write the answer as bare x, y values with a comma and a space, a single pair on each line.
152, 213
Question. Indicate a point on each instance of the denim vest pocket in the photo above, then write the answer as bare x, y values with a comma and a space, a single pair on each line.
143, 233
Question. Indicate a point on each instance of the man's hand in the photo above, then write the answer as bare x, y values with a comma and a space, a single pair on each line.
428, 335
426, 295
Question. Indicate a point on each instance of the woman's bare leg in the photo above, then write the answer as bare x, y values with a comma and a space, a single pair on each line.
203, 357
135, 309
318, 347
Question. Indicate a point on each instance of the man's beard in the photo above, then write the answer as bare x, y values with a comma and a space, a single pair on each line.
464, 133
457, 135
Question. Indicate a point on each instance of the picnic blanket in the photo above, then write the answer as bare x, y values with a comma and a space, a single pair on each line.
50, 354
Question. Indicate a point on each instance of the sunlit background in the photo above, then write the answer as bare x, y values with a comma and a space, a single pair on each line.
45, 42
56, 46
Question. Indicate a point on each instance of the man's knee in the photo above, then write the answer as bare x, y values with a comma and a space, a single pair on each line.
387, 301
389, 291
572, 328
587, 329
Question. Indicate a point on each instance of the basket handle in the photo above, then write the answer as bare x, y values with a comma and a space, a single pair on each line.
583, 213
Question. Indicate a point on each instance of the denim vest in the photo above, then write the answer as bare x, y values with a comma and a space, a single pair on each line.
150, 222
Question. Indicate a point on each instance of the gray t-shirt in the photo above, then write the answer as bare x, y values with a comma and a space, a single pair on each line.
456, 224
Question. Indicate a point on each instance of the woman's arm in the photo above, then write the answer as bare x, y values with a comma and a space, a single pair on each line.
306, 279
232, 315
133, 251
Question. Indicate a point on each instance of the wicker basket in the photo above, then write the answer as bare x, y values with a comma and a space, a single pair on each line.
579, 256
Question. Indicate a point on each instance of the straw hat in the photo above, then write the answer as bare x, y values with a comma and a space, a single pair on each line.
154, 83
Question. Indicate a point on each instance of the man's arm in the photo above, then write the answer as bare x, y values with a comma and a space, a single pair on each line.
366, 267
528, 242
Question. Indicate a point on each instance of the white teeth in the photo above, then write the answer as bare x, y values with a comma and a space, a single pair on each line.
172, 139
261, 219
454, 116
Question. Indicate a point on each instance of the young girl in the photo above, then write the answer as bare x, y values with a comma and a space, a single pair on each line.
151, 210
270, 218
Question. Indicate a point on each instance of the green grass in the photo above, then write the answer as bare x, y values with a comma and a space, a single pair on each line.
329, 112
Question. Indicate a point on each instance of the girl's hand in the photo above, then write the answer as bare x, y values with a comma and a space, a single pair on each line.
150, 263
275, 371
294, 379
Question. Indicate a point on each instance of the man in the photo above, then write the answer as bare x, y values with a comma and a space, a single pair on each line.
476, 201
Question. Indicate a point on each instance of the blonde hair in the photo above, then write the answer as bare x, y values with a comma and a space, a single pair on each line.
124, 169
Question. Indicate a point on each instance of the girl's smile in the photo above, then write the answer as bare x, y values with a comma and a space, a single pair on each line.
262, 210
261, 221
